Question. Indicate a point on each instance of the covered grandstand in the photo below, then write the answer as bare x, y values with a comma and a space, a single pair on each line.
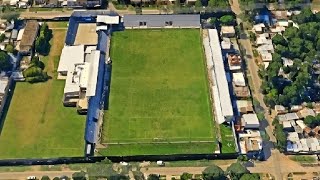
219, 88
95, 94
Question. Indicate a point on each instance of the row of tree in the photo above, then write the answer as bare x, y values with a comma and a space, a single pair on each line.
298, 83
75, 176
5, 64
42, 43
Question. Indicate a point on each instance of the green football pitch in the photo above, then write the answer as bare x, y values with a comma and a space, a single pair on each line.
158, 93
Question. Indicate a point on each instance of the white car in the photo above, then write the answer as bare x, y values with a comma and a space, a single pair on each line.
31, 177
124, 163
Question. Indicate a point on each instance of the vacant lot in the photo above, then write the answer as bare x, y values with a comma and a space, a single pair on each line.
158, 93
37, 124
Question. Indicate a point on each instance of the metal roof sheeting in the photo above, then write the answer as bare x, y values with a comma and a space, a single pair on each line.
154, 21
220, 74
70, 56
94, 66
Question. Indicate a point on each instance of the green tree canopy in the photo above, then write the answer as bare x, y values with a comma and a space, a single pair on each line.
186, 176
279, 39
305, 16
227, 20
198, 3
250, 177
138, 175
10, 48
153, 177
79, 175
45, 177
236, 170
2, 37
5, 64
213, 173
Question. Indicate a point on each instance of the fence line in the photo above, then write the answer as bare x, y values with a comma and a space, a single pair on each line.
167, 142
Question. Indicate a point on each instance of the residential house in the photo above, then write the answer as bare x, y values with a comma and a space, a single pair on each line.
280, 109
259, 28
250, 121
226, 45
234, 62
244, 107
250, 141
303, 113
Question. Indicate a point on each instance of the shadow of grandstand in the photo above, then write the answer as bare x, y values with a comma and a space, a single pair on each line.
4, 113
108, 83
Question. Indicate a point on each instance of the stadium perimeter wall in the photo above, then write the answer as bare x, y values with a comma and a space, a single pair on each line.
116, 159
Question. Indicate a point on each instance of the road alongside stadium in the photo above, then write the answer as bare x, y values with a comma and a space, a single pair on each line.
67, 14
38, 174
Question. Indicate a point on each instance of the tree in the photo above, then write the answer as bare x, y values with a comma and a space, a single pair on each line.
291, 32
79, 175
279, 39
9, 16
56, 178
214, 20
280, 135
227, 20
42, 44
10, 48
250, 177
198, 3
213, 173
45, 177
236, 170
186, 176
138, 175
253, 36
305, 16
153, 177
5, 64
2, 37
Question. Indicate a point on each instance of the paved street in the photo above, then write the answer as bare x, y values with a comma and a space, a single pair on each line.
38, 174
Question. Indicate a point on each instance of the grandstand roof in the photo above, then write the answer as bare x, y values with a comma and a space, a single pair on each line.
162, 20
220, 74
92, 126
70, 56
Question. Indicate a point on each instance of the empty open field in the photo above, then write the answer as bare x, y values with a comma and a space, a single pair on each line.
159, 93
37, 125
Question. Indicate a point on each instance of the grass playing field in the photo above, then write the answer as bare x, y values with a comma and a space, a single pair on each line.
159, 92
37, 125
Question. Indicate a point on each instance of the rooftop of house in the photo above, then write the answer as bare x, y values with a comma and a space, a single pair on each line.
227, 30
238, 79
